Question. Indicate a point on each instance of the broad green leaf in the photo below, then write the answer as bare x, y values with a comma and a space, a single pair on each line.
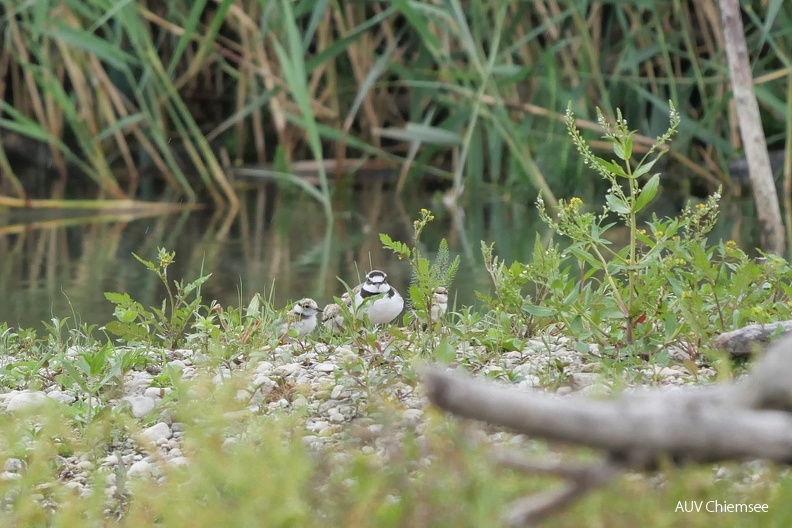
612, 167
619, 151
539, 311
647, 193
445, 353
628, 146
616, 204
645, 168
582, 254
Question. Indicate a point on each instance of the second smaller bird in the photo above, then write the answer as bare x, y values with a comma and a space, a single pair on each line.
301, 318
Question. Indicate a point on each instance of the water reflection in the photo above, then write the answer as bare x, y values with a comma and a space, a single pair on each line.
278, 245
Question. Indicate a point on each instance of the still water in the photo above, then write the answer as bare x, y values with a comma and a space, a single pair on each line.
279, 245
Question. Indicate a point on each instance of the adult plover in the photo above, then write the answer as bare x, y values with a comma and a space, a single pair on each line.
301, 318
333, 315
387, 303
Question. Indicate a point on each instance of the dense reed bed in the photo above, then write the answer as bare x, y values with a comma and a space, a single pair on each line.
132, 98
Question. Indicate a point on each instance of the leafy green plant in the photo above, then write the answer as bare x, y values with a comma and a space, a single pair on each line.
665, 286
427, 276
168, 323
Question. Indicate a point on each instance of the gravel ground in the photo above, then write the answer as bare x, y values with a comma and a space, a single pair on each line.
333, 387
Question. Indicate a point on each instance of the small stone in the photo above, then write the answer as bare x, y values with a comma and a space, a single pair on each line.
265, 367
287, 370
26, 400
596, 390
530, 382
178, 427
304, 379
584, 379
110, 479
179, 461
336, 393
14, 464
563, 390
141, 468
311, 439
325, 367
345, 354
61, 397
178, 364
10, 475
317, 425
157, 432
111, 460
412, 415
375, 429
140, 405
157, 392
327, 431
137, 383
85, 464
4, 397
72, 485
264, 384
336, 418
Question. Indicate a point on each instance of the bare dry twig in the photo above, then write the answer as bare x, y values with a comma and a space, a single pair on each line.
749, 419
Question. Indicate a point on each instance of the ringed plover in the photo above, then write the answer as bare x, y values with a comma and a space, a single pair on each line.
387, 304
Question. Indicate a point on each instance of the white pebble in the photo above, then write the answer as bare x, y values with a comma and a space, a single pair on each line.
140, 468
412, 415
177, 364
140, 405
61, 397
317, 425
287, 370
157, 392
179, 461
13, 464
157, 432
72, 485
26, 400
325, 367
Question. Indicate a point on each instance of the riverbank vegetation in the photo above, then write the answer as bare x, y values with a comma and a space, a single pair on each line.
135, 99
187, 412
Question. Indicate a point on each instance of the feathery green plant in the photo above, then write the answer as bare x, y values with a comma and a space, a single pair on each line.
427, 276
168, 324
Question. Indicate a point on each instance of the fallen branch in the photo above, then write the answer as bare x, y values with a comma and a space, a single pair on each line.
749, 339
579, 479
749, 419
